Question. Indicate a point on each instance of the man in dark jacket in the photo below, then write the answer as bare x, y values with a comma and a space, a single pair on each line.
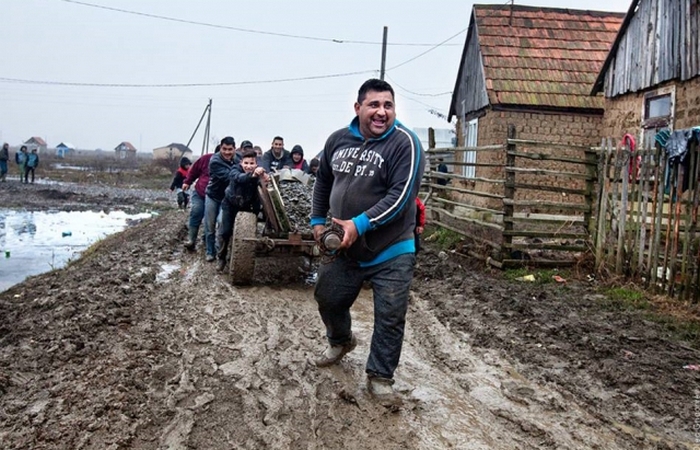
4, 157
219, 167
241, 195
277, 157
368, 179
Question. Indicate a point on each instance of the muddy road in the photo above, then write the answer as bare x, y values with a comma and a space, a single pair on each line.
140, 345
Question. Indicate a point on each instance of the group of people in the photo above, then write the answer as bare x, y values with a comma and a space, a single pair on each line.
26, 161
225, 182
367, 181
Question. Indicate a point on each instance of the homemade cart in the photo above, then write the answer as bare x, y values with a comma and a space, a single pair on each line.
276, 236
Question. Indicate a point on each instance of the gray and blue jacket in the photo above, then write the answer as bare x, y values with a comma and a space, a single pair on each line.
374, 182
218, 177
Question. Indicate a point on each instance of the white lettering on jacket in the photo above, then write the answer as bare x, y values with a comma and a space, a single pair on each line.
360, 164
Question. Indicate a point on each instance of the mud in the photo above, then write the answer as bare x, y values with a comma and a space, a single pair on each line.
139, 345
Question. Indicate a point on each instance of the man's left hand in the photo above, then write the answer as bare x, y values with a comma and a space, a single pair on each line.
350, 230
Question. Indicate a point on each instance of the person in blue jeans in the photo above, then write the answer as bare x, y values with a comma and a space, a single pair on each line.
199, 175
219, 167
368, 179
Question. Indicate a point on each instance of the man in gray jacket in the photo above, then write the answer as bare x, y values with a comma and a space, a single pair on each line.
368, 179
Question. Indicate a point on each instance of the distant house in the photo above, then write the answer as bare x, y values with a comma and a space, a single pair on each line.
125, 151
533, 68
651, 78
37, 143
64, 149
172, 151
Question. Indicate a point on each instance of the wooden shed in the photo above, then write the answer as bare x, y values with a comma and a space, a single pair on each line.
532, 68
650, 77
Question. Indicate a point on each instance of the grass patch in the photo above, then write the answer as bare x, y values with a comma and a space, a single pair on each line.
681, 327
445, 239
625, 299
542, 276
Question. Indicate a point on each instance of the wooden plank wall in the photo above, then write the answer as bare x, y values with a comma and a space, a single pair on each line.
661, 43
647, 225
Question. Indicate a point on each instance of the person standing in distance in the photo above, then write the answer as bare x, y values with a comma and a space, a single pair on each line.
368, 179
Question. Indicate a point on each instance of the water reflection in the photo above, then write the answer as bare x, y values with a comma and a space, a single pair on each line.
35, 242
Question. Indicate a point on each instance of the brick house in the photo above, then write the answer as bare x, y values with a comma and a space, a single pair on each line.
531, 67
650, 76
125, 151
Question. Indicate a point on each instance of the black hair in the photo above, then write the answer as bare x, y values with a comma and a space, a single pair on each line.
185, 161
277, 138
228, 140
314, 162
218, 147
249, 153
373, 84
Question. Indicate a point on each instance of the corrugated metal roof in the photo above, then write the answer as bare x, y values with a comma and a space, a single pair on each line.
544, 56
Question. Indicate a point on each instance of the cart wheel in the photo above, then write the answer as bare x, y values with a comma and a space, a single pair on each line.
242, 263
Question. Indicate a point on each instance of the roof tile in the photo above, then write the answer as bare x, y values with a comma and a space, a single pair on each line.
543, 56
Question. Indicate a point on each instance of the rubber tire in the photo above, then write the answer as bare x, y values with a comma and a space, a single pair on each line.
242, 262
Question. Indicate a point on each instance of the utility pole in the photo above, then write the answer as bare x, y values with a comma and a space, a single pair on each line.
381, 73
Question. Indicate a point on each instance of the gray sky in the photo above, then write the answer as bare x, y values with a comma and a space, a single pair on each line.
60, 41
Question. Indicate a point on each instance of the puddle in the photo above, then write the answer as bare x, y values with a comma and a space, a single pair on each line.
165, 271
36, 242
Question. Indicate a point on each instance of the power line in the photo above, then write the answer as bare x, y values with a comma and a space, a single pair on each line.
242, 30
179, 85
427, 51
393, 82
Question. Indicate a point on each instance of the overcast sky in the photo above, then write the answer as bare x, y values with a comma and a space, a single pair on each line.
64, 41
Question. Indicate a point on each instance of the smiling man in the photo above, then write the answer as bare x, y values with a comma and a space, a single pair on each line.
368, 179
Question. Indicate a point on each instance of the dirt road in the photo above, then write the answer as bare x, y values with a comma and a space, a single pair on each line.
139, 345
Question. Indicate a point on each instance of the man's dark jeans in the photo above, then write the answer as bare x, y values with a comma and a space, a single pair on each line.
340, 282
211, 214
196, 216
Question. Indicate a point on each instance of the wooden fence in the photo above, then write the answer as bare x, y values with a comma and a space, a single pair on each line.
647, 224
526, 202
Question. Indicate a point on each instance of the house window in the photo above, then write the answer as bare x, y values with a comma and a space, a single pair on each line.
470, 140
657, 114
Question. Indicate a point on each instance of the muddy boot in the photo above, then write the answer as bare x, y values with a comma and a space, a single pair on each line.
220, 265
335, 353
382, 389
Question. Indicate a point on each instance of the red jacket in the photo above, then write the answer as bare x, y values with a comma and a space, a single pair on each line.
199, 171
420, 213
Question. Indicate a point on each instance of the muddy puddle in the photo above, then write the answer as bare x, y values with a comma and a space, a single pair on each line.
35, 242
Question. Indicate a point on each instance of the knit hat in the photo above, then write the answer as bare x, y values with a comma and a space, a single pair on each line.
184, 162
297, 149
246, 144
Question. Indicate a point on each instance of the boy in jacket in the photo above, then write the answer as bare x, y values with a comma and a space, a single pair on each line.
183, 198
241, 195
368, 180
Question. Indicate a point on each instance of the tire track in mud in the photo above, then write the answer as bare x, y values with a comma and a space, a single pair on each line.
255, 386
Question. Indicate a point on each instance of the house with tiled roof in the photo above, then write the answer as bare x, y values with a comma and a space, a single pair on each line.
651, 76
172, 151
532, 68
35, 142
125, 150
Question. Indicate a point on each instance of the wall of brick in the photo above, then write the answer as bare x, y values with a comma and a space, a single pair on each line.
554, 128
623, 114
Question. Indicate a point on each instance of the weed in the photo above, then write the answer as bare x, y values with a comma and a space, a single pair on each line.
445, 239
622, 298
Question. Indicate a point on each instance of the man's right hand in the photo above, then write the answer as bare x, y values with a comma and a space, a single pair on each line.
318, 231
185, 187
